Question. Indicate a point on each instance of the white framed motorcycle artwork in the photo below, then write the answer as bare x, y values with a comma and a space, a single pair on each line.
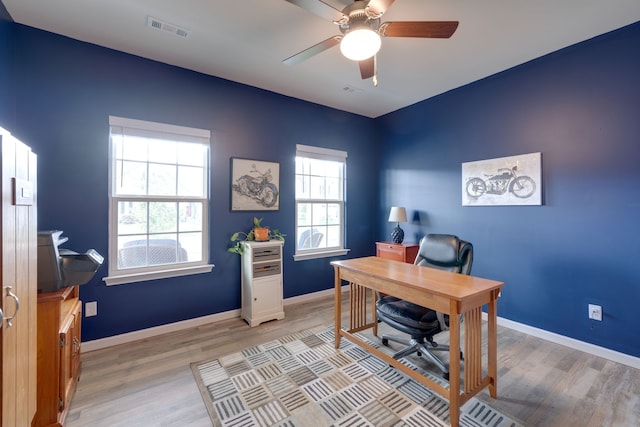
255, 185
513, 180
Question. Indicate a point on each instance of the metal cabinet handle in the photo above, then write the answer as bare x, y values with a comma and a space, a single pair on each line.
17, 301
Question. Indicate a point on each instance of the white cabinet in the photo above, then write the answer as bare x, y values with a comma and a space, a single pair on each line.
262, 281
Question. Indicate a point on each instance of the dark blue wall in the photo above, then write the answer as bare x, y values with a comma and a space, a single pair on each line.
67, 90
579, 107
6, 69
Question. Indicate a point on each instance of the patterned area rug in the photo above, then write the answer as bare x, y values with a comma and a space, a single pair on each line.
301, 380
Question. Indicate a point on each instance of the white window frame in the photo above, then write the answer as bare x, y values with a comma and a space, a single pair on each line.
119, 276
320, 153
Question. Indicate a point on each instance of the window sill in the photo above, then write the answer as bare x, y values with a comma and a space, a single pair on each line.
140, 277
324, 254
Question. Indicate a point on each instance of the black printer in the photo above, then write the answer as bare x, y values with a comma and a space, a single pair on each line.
59, 267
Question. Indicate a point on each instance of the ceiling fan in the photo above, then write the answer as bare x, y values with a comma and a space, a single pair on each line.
359, 23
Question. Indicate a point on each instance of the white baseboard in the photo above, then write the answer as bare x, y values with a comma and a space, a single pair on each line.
595, 350
185, 324
606, 353
157, 330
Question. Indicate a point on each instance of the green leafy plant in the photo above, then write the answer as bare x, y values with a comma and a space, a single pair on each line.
240, 236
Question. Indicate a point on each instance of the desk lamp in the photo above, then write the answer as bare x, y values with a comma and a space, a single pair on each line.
398, 214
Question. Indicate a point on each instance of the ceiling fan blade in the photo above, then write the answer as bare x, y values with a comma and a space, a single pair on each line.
313, 50
424, 29
368, 67
320, 8
378, 7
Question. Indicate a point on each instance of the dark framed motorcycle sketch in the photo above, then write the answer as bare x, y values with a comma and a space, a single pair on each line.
255, 185
514, 180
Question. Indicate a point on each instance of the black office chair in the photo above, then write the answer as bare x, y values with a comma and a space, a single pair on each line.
441, 251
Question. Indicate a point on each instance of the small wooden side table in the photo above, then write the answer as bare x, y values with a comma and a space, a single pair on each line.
404, 252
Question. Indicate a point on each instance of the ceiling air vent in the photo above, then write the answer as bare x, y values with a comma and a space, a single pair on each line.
351, 89
165, 26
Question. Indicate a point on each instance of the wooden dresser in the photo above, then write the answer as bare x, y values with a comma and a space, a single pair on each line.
405, 252
59, 324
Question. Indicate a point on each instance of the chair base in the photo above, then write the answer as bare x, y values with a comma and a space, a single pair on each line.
421, 347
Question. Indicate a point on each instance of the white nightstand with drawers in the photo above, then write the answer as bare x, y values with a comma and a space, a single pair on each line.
262, 281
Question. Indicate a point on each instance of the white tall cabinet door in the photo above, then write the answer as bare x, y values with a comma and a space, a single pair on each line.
19, 282
262, 294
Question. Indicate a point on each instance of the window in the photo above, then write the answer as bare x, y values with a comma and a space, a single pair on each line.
320, 202
158, 212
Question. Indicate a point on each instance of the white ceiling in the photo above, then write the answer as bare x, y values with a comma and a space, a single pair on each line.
246, 40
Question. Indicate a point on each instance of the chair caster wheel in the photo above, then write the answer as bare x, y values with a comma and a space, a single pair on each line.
385, 342
419, 354
446, 376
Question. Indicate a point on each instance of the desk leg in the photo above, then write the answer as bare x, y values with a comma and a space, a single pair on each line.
374, 299
454, 364
492, 345
337, 309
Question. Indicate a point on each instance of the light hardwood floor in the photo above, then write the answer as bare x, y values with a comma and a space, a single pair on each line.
149, 383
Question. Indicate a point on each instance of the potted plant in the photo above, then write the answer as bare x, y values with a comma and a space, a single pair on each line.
257, 233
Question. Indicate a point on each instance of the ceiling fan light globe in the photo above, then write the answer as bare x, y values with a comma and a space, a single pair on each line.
360, 44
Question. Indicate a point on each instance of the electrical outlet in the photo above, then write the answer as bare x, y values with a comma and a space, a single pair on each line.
91, 309
595, 312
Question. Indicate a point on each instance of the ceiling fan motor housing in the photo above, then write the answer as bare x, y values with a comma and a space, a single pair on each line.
356, 15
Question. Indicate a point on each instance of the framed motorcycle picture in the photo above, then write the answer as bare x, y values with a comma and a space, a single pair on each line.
514, 180
255, 185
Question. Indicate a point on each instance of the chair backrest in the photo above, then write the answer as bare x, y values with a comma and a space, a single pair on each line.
154, 254
310, 239
445, 252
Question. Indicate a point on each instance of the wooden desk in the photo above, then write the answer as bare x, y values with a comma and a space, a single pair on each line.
450, 293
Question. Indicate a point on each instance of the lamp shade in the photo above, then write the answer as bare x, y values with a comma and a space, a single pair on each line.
360, 44
398, 214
